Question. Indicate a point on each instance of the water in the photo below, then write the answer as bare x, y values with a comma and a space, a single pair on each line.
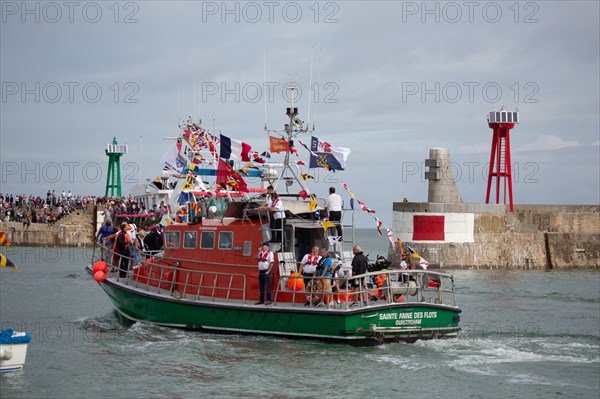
526, 334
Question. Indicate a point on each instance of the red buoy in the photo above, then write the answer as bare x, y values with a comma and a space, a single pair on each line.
99, 276
100, 266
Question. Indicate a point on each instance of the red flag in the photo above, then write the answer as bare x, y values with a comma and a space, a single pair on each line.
257, 158
278, 145
391, 238
227, 176
364, 207
303, 194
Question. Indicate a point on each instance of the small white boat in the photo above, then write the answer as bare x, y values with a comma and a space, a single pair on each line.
13, 350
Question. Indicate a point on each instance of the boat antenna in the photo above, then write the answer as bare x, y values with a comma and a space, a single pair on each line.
265, 82
310, 84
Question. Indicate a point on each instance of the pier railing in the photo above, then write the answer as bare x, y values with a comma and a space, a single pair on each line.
165, 276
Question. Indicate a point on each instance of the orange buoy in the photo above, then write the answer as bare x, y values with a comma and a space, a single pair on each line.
342, 296
295, 282
100, 266
99, 276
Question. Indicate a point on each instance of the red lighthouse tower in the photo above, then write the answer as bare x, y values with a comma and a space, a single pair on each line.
501, 122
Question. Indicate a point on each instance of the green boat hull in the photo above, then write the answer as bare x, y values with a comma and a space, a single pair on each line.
371, 325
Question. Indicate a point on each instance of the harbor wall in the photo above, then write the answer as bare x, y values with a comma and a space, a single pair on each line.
531, 237
75, 230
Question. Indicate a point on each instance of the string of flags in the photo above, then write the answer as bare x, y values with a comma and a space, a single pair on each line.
4, 261
379, 224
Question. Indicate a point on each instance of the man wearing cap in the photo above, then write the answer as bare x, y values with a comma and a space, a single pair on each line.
265, 266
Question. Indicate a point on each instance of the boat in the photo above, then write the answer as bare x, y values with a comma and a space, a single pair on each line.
13, 350
206, 277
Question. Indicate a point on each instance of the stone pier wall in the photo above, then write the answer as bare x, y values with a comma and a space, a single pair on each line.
74, 230
531, 237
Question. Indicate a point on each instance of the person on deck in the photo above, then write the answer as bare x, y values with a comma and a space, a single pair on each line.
278, 215
324, 271
268, 204
104, 231
121, 246
308, 268
360, 263
265, 266
407, 264
333, 207
153, 239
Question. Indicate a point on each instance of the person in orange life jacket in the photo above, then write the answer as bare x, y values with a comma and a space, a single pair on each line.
308, 268
324, 270
265, 266
278, 215
122, 242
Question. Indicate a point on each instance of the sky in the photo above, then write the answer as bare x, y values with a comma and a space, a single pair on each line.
394, 79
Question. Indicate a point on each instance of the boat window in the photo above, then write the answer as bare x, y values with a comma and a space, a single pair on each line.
189, 239
207, 240
247, 250
172, 239
226, 240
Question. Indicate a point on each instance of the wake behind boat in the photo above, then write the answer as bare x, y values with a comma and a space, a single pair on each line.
205, 277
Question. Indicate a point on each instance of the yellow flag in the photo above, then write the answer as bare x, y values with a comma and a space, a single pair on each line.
5, 262
313, 204
327, 224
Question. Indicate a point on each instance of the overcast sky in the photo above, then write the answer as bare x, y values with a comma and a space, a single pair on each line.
394, 79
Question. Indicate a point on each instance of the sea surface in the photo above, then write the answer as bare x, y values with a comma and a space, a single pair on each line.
526, 334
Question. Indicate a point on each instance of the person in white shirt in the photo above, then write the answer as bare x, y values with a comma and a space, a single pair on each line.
265, 266
333, 207
268, 205
278, 214
308, 268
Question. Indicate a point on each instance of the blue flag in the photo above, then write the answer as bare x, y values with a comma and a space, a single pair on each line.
327, 156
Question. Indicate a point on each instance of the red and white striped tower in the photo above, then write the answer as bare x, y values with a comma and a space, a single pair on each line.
501, 122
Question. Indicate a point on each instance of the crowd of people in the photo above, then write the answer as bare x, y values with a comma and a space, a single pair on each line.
128, 241
320, 274
39, 209
54, 206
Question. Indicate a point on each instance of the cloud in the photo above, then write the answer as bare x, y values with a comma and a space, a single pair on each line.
597, 142
547, 142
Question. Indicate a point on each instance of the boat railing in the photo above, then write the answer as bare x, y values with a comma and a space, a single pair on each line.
387, 285
161, 277
165, 276
403, 286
